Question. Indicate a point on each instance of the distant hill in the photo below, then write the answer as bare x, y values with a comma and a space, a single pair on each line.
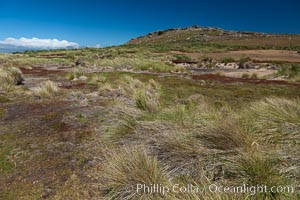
217, 36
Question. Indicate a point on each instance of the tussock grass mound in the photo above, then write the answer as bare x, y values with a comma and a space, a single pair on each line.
125, 168
46, 89
145, 95
9, 78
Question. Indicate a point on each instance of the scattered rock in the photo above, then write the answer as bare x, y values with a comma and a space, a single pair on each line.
75, 79
19, 79
82, 78
220, 65
246, 65
80, 62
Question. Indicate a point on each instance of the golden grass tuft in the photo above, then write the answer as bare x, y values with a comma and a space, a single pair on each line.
181, 152
98, 78
125, 168
126, 126
147, 100
9, 78
46, 89
273, 111
225, 135
145, 95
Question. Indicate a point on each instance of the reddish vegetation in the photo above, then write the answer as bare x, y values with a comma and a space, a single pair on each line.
57, 55
40, 71
283, 56
225, 79
79, 85
21, 111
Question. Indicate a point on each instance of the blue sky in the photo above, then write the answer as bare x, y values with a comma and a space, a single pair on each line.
113, 22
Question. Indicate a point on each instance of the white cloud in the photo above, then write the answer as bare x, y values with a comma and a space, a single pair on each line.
36, 43
94, 46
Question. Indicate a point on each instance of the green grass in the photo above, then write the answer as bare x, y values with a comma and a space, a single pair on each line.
244, 59
227, 60
291, 71
146, 100
137, 64
182, 58
2, 112
6, 146
262, 169
6, 164
4, 99
123, 129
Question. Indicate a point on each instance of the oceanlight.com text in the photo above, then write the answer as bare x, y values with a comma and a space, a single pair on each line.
213, 188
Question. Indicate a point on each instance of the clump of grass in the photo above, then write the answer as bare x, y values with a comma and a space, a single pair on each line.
145, 95
290, 71
17, 75
147, 100
140, 63
179, 69
182, 152
182, 58
98, 78
148, 97
125, 127
190, 112
258, 168
183, 115
152, 84
244, 59
206, 59
73, 188
227, 60
46, 89
5, 163
254, 76
9, 78
245, 75
2, 112
274, 112
7, 82
106, 87
225, 135
75, 74
125, 168
130, 84
274, 121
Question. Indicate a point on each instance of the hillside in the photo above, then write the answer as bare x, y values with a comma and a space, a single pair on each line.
215, 36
